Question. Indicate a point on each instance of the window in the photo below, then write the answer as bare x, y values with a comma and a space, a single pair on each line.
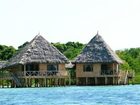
32, 67
88, 68
52, 67
106, 69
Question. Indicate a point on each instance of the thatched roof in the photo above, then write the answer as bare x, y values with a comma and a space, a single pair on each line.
2, 63
38, 50
97, 51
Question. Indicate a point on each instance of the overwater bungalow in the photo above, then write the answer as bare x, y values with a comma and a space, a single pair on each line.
38, 64
98, 64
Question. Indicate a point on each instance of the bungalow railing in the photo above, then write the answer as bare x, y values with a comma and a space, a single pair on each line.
42, 73
109, 72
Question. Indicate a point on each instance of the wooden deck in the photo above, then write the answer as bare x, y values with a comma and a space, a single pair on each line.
120, 78
34, 79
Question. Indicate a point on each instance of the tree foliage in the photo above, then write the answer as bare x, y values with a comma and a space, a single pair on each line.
131, 59
6, 52
23, 45
70, 49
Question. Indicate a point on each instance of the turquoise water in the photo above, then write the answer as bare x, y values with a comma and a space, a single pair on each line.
96, 95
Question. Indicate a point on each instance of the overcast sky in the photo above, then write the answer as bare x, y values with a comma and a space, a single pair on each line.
118, 21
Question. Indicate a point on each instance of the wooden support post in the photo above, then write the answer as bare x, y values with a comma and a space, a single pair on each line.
113, 69
77, 81
69, 81
0, 83
7, 83
53, 82
58, 82
36, 82
113, 80
117, 68
48, 82
40, 84
61, 82
44, 82
106, 80
96, 82
64, 81
24, 72
29, 82
86, 81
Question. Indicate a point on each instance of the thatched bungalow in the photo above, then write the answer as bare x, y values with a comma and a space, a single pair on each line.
97, 64
38, 64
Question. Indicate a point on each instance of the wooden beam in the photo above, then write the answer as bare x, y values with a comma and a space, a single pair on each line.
24, 69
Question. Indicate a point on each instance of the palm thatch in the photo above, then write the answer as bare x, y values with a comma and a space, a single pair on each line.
38, 50
2, 63
97, 51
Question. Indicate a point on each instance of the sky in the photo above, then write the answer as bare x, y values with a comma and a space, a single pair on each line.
117, 21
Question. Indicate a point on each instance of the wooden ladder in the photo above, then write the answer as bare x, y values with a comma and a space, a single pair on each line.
123, 77
126, 77
16, 79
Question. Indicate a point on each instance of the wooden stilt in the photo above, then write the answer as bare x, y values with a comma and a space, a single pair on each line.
0, 83
77, 81
106, 80
48, 82
86, 81
69, 81
44, 82
113, 80
96, 82
64, 81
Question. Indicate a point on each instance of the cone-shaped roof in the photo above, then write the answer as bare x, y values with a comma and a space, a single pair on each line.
97, 51
2, 63
38, 50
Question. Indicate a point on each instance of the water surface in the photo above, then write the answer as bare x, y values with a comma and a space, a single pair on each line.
95, 95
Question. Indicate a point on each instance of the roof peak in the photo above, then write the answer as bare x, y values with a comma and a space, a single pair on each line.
97, 32
97, 50
38, 34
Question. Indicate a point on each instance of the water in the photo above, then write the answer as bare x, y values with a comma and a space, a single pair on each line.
96, 95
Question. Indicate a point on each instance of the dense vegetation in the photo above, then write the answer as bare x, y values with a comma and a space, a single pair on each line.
6, 52
131, 59
70, 49
130, 56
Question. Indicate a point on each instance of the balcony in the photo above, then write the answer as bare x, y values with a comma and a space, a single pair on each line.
109, 72
43, 73
35, 74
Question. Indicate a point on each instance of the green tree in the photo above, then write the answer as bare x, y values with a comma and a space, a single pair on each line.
6, 52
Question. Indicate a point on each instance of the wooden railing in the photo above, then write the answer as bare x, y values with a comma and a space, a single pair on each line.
109, 72
42, 73
16, 79
35, 73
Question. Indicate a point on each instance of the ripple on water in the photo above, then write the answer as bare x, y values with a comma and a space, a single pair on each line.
95, 95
